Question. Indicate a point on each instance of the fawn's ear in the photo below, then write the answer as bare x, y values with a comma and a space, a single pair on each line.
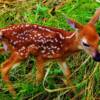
74, 24
95, 17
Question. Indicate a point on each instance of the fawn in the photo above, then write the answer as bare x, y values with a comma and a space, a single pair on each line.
47, 43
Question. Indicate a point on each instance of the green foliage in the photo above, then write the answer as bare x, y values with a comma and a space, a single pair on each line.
87, 76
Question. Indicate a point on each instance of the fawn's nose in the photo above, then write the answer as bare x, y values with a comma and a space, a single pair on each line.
97, 56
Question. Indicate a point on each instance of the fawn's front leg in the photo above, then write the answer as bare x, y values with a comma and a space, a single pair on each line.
65, 69
39, 69
6, 66
67, 73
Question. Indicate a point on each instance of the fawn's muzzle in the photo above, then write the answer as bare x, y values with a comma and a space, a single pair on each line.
97, 56
0, 35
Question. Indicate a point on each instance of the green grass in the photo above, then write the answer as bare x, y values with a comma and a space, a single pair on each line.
85, 72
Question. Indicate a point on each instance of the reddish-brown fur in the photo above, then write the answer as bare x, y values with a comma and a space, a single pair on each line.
38, 40
44, 43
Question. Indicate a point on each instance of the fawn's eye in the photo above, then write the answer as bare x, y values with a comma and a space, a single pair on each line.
85, 44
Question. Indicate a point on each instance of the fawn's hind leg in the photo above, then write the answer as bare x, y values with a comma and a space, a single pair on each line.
6, 66
39, 69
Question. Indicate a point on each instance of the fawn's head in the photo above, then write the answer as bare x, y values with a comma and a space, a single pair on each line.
87, 35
